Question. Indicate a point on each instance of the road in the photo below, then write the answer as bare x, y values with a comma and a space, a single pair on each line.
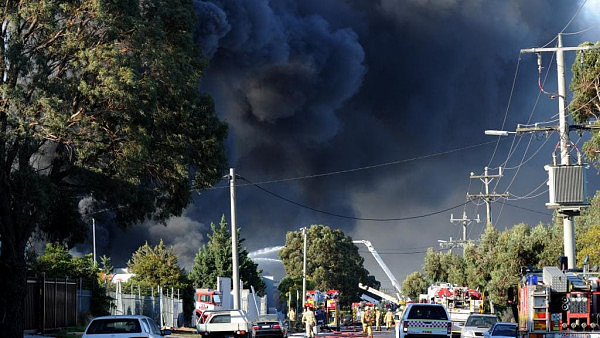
348, 333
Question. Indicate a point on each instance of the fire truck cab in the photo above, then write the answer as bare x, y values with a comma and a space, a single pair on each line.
206, 299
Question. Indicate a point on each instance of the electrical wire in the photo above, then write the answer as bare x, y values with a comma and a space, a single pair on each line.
351, 217
512, 90
527, 196
574, 16
374, 166
582, 31
526, 209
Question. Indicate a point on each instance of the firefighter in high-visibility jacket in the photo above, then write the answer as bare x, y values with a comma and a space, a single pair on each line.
388, 319
367, 320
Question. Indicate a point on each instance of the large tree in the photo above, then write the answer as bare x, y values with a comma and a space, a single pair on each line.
99, 99
213, 260
333, 261
157, 266
414, 285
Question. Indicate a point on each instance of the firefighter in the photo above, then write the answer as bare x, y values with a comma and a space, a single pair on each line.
377, 319
292, 317
367, 320
389, 319
309, 320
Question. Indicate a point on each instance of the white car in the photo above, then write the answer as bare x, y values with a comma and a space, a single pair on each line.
424, 320
477, 324
124, 326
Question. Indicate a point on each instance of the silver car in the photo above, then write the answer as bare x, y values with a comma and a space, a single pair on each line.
124, 326
477, 324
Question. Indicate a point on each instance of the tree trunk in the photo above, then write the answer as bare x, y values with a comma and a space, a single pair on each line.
13, 286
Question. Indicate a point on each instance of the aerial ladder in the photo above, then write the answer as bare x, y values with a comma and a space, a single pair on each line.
387, 271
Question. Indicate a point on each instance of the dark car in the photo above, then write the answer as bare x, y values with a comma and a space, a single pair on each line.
268, 325
502, 330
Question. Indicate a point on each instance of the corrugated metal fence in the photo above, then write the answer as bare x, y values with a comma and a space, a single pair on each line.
163, 305
50, 303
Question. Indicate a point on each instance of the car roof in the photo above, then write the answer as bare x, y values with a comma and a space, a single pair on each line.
505, 323
483, 315
122, 317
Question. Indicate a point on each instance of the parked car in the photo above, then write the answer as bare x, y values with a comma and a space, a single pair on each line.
502, 330
268, 325
124, 326
477, 324
230, 323
425, 320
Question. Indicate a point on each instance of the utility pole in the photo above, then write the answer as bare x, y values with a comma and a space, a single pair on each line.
235, 276
94, 240
465, 221
488, 197
568, 227
304, 269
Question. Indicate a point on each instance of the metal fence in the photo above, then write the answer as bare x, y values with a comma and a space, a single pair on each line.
163, 305
50, 303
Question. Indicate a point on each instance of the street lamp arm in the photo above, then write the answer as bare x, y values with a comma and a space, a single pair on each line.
498, 132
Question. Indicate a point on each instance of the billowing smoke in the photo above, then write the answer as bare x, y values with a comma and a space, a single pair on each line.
313, 86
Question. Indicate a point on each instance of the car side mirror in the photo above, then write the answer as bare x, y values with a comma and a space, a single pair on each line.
165, 332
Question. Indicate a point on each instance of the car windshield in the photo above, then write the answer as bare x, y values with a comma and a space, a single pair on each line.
505, 330
481, 321
428, 312
267, 318
114, 325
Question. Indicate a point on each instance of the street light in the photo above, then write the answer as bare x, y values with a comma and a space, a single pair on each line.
304, 269
498, 132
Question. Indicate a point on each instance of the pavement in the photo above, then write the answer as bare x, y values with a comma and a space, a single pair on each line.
351, 332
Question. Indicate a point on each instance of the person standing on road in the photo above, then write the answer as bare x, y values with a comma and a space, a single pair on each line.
377, 319
309, 320
367, 321
389, 319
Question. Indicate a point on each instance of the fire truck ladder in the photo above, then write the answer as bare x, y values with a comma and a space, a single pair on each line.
383, 266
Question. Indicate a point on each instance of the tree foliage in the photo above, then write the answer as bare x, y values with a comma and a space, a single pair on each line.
289, 287
99, 98
214, 260
495, 264
588, 232
156, 266
333, 261
57, 262
585, 105
414, 285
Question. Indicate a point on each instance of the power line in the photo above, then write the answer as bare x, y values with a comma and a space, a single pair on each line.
373, 166
574, 16
527, 209
351, 217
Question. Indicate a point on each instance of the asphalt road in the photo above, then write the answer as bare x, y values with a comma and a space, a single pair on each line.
348, 332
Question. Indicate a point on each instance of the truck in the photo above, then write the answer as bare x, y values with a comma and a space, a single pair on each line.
225, 323
556, 303
459, 301
206, 299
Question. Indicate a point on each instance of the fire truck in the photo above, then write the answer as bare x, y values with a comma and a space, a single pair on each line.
332, 309
326, 307
206, 299
555, 303
460, 302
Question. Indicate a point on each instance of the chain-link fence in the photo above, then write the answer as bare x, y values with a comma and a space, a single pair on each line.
163, 305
